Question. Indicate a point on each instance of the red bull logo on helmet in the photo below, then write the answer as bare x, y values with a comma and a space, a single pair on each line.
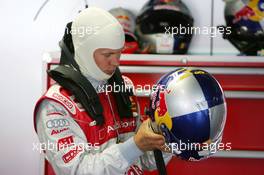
162, 107
161, 113
245, 13
254, 11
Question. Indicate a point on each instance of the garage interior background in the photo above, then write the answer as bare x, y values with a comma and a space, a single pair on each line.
25, 43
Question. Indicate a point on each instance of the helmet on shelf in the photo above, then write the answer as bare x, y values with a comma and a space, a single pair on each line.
188, 107
158, 25
127, 20
245, 18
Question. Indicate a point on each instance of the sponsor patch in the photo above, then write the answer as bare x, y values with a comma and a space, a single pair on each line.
71, 154
65, 142
134, 170
68, 104
58, 131
57, 123
55, 111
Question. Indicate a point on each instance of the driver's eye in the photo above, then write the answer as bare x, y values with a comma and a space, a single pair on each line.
107, 55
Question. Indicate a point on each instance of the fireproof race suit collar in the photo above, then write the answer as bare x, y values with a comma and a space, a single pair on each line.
95, 28
99, 85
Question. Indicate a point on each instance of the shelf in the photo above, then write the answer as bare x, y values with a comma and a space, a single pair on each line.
178, 60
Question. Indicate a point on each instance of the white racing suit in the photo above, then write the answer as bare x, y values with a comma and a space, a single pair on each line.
78, 146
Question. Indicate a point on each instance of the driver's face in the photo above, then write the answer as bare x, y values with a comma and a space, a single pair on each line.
107, 59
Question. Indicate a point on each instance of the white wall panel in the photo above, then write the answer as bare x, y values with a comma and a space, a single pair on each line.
221, 46
201, 11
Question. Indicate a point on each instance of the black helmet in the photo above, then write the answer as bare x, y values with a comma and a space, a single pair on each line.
245, 20
154, 20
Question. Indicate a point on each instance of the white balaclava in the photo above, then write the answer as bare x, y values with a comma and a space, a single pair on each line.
95, 28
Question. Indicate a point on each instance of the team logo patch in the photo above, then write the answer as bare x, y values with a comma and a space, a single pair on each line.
58, 131
65, 142
57, 123
71, 154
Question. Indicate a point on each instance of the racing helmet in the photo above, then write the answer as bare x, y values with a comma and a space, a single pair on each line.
188, 108
127, 19
158, 26
245, 18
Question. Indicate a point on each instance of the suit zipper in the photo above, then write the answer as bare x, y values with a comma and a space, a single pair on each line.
116, 123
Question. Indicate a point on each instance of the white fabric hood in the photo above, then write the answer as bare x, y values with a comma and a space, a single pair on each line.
95, 28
